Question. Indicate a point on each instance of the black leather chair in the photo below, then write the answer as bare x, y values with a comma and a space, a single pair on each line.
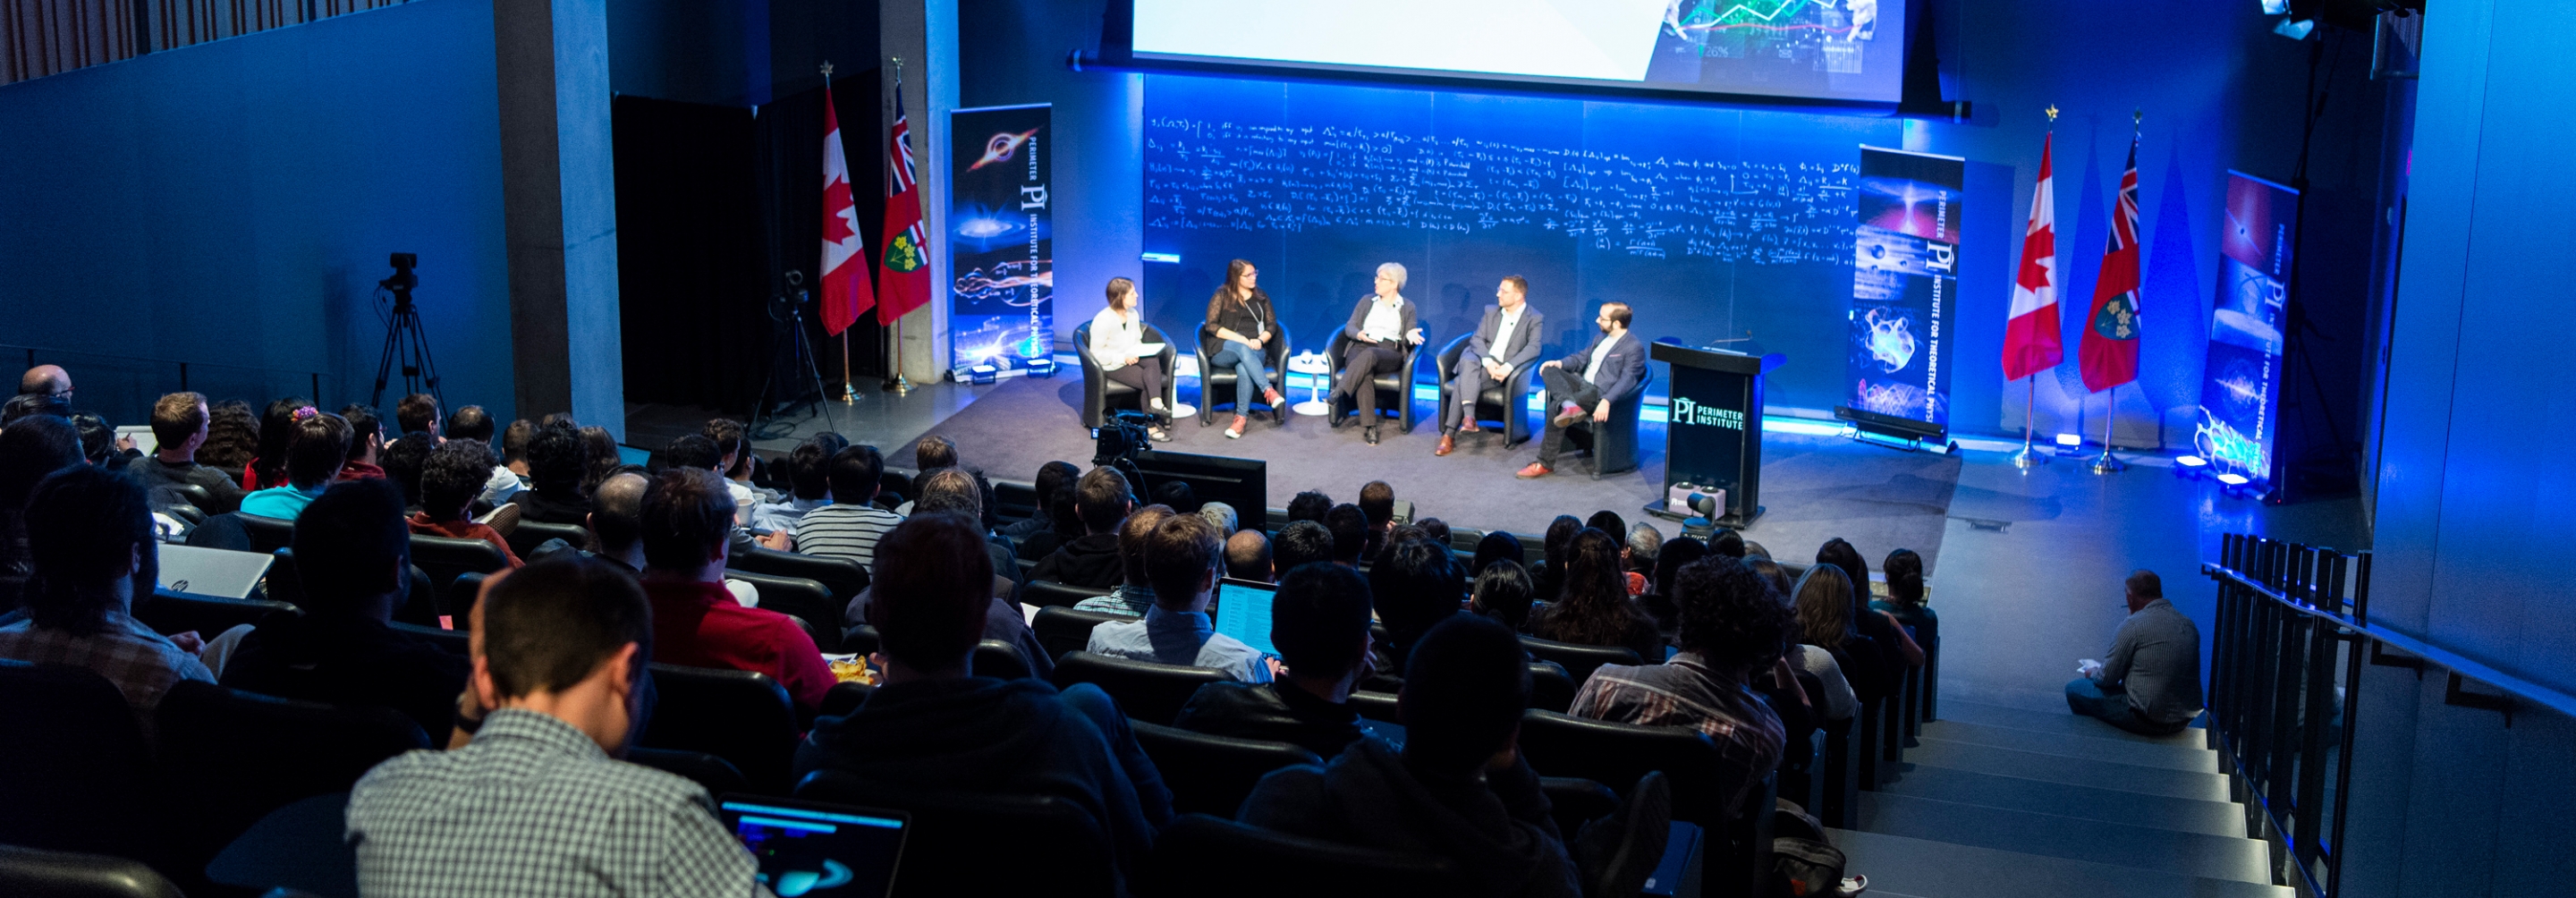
1507, 400
1145, 690
1197, 850
266, 534
31, 873
845, 578
1055, 847
1378, 706
1578, 660
1099, 392
525, 538
460, 641
740, 716
1612, 443
1213, 774
1617, 754
1551, 688
716, 774
1015, 500
1048, 593
1217, 384
239, 755
844, 697
446, 558
75, 774
185, 512
800, 598
859, 639
1575, 801
178, 612
1394, 388
201, 497
999, 660
1063, 630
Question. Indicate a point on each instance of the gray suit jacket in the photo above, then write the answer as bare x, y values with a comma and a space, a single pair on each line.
1524, 336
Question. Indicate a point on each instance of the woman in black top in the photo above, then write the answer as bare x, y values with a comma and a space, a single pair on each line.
1381, 326
1594, 608
1240, 324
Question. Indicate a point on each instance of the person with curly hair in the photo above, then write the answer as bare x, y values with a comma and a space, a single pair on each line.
232, 435
556, 463
1594, 608
1732, 628
449, 481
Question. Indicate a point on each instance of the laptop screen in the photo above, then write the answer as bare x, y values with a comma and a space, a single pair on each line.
1243, 612
811, 848
212, 572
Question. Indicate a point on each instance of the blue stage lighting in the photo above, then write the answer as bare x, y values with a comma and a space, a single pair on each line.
2233, 479
2070, 440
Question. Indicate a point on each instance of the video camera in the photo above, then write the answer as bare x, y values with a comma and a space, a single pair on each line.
1117, 440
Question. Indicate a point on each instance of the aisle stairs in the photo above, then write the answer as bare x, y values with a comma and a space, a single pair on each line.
1999, 802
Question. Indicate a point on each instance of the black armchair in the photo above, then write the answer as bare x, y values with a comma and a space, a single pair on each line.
802, 599
1578, 660
1098, 390
999, 660
1612, 443
1145, 690
60, 874
1507, 400
1048, 593
740, 716
844, 577
178, 612
1394, 388
446, 558
1551, 688
1064, 631
1213, 774
1215, 384
525, 538
1618, 754
716, 774
1056, 847
266, 534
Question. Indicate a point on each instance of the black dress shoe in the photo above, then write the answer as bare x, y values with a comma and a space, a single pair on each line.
1370, 434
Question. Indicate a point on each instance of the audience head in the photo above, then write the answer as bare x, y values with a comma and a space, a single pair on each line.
351, 546
563, 419
366, 430
555, 462
1841, 554
1904, 572
470, 423
417, 413
1596, 586
1064, 517
1755, 550
1824, 606
1319, 621
514, 441
1496, 546
1102, 499
1135, 534
1727, 542
1416, 585
89, 534
809, 469
990, 508
933, 453
179, 423
690, 451
1350, 532
687, 518
1377, 500
1675, 554
1773, 574
1644, 542
452, 476
1434, 529
1053, 476
1301, 543
949, 490
232, 435
1183, 559
1464, 688
46, 380
2143, 588
276, 433
1247, 557
1607, 521
1178, 495
1310, 505
732, 449
932, 584
1729, 616
1559, 533
1504, 592
26, 405
856, 474
574, 628
29, 450
96, 438
1221, 516
406, 460
319, 449
617, 512
601, 450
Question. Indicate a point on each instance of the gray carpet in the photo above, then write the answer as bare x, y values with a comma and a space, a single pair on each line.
1814, 487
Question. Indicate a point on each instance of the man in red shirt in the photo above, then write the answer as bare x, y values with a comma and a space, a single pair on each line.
687, 522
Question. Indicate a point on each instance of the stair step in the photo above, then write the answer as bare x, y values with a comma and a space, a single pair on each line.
1936, 752
2189, 854
1932, 869
2171, 756
2212, 818
2060, 721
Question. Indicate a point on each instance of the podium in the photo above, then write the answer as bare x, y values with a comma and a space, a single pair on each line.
1713, 429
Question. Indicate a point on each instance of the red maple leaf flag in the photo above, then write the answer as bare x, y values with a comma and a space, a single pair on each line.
904, 272
2109, 353
2031, 335
846, 292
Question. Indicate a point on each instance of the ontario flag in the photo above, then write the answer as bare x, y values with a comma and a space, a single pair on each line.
2109, 353
846, 292
2031, 337
904, 279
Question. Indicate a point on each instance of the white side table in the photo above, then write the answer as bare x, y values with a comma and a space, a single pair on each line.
1316, 366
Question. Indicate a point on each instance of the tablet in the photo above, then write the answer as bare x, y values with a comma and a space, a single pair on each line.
814, 848
1243, 611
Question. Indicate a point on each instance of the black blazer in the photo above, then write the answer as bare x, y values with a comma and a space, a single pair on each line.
1620, 372
1359, 318
1524, 336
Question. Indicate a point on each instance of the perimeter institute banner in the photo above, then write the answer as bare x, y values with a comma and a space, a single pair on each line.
2240, 394
1001, 238
1904, 285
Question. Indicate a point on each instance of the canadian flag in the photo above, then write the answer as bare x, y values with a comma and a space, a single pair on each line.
2032, 341
846, 291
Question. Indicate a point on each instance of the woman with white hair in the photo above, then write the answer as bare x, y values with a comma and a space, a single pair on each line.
1381, 326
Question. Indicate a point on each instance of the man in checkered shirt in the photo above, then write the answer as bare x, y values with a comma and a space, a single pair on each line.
90, 534
1732, 627
534, 804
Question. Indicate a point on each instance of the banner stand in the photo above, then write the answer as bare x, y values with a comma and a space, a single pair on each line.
1905, 252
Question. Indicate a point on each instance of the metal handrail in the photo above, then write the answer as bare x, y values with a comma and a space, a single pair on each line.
2562, 702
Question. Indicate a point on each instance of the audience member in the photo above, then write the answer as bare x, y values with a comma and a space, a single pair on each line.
1607, 521
1181, 563
1299, 544
417, 413
353, 558
449, 481
851, 525
29, 450
1503, 592
932, 453
1732, 628
1896, 650
734, 461
2150, 682
1904, 572
49, 381
1755, 550
1377, 501
499, 482
555, 468
1727, 542
1319, 620
616, 520
933, 726
232, 436
1658, 601
1178, 495
1101, 499
1052, 476
1549, 578
100, 446
1416, 586
471, 422
686, 517
954, 491
1644, 543
366, 442
1221, 516
1497, 546
1134, 594
1064, 523
1594, 608
318, 446
1435, 529
89, 538
514, 447
536, 802
600, 449
25, 405
1247, 557
1771, 571
950, 491
276, 436
1310, 505
1352, 538
809, 480
1458, 788
179, 430
1823, 606
403, 461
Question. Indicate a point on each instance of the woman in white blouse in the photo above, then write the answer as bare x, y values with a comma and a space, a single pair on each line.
1380, 327
1118, 342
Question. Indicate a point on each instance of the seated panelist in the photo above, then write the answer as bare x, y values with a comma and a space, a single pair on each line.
1580, 386
1118, 341
1507, 338
1240, 325
1380, 327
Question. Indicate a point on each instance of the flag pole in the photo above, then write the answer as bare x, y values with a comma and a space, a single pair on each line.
896, 383
2106, 463
2027, 457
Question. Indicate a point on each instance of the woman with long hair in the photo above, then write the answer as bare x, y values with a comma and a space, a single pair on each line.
1824, 610
1381, 326
232, 436
1593, 607
276, 431
1549, 576
1896, 651
600, 456
1240, 325
1118, 344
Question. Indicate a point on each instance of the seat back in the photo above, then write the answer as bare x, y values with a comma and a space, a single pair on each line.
1044, 593
1063, 630
63, 874
1551, 688
1213, 774
1197, 849
178, 612
238, 755
525, 538
1578, 660
740, 716
716, 774
74, 770
999, 660
1056, 847
805, 600
189, 494
1015, 500
842, 576
1616, 754
266, 534
460, 642
446, 558
1378, 706
1146, 690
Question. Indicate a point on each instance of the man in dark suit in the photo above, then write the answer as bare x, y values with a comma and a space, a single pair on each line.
1506, 339
1586, 381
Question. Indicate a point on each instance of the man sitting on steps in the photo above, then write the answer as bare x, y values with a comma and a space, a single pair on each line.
2150, 683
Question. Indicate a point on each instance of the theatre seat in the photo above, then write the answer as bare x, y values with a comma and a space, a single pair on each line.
1063, 630
999, 660
266, 534
1578, 660
1198, 849
179, 612
716, 774
239, 755
807, 601
1551, 688
1505, 401
1099, 392
740, 716
844, 577
1145, 690
1394, 388
446, 558
1213, 774
525, 538
1217, 384
1054, 847
1046, 593
75, 773
1617, 754
63, 874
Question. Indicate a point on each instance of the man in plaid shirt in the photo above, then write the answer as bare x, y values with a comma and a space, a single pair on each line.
535, 804
90, 534
1731, 626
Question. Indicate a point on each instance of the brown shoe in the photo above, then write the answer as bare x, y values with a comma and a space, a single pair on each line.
1567, 418
1448, 444
1469, 426
1534, 471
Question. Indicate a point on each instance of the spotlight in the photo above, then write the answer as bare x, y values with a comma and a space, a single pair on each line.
2190, 461
2233, 479
1039, 366
983, 373
2190, 467
2071, 441
2295, 29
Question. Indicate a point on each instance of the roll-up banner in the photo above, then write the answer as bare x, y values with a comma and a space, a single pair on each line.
2240, 391
1001, 238
1905, 284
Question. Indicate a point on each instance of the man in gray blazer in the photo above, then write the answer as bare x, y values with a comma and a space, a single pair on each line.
1506, 339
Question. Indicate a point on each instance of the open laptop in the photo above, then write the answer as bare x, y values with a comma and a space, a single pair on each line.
141, 434
212, 572
1243, 612
815, 848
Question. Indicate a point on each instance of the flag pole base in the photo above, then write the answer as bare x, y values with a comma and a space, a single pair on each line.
849, 393
2106, 463
2029, 458
899, 386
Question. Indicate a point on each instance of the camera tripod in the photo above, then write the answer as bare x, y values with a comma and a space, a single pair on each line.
765, 422
406, 341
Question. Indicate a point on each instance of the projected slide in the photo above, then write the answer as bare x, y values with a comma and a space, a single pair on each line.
1822, 49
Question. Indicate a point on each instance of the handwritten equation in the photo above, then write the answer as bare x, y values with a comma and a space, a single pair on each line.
1218, 175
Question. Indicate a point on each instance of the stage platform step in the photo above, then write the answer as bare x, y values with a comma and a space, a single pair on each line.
1902, 865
